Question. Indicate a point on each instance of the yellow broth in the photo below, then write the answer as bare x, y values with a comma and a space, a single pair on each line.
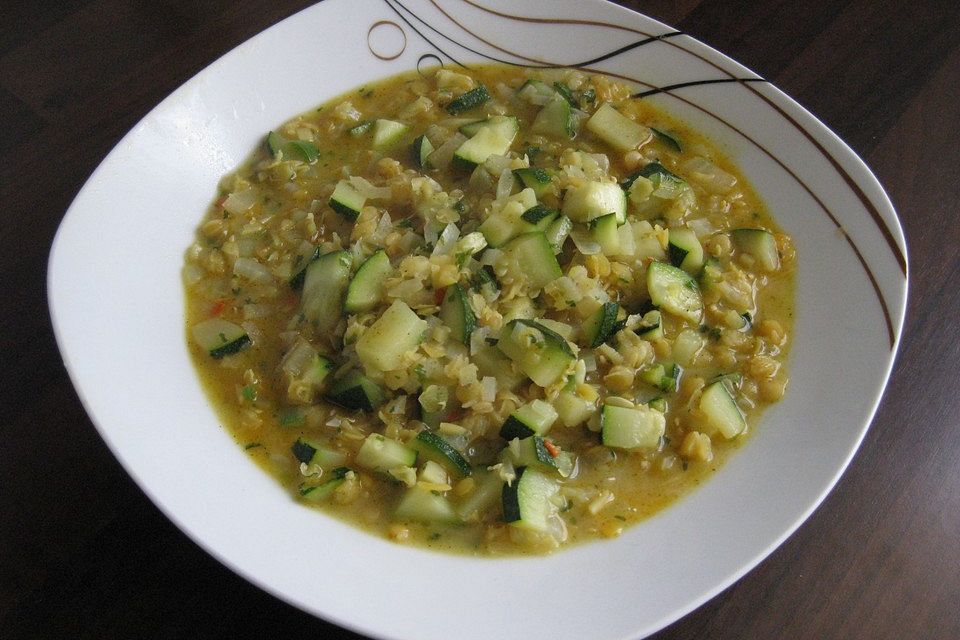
275, 211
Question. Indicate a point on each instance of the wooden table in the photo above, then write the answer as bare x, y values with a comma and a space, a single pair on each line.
84, 554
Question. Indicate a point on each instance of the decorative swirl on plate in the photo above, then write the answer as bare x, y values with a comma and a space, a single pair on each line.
379, 26
671, 39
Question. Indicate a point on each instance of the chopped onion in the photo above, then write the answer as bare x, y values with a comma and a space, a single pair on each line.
297, 358
254, 332
192, 274
239, 201
252, 270
256, 311
478, 339
497, 164
585, 244
701, 226
710, 176
505, 184
447, 240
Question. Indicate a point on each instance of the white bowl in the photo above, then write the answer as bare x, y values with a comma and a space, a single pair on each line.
118, 310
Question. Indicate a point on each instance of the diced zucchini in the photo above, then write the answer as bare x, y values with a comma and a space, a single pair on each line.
494, 138
486, 493
532, 419
604, 232
533, 178
394, 333
731, 380
387, 133
594, 199
310, 452
469, 100
433, 447
711, 274
539, 352
485, 282
324, 287
721, 411
379, 453
528, 501
530, 257
491, 362
519, 214
558, 231
420, 150
664, 376
538, 217
616, 129
424, 506
315, 375
674, 290
685, 250
651, 326
624, 428
532, 452
220, 338
346, 200
573, 410
356, 392
471, 128
321, 492
536, 92
366, 288
760, 244
555, 119
457, 314
601, 325
296, 282
658, 404
667, 140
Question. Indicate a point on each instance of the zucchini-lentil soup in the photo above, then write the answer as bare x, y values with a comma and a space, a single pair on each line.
490, 311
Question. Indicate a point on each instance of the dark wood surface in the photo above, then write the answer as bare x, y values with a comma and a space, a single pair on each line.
84, 554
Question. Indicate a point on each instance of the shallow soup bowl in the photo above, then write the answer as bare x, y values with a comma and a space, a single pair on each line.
126, 353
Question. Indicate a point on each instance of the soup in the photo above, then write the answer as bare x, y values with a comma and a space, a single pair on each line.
492, 311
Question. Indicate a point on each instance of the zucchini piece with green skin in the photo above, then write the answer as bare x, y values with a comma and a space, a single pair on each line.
601, 326
456, 313
347, 201
721, 410
485, 495
433, 447
573, 410
530, 256
485, 282
532, 452
296, 282
637, 428
662, 376
667, 140
555, 119
604, 232
379, 453
558, 231
324, 287
356, 392
538, 217
469, 100
494, 138
420, 150
616, 129
674, 290
315, 374
366, 287
759, 244
471, 128
387, 133
397, 331
291, 149
528, 500
491, 362
219, 337
532, 419
685, 250
426, 507
321, 492
658, 404
534, 178
594, 199
310, 452
651, 327
711, 274
731, 380
541, 353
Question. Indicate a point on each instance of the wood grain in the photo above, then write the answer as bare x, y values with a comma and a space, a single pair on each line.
84, 554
